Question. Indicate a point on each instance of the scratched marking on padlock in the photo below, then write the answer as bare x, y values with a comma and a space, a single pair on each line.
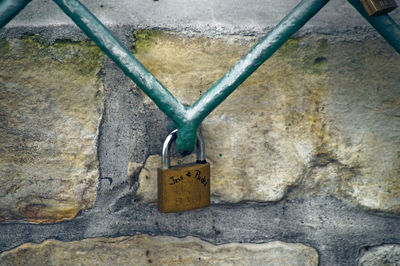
184, 187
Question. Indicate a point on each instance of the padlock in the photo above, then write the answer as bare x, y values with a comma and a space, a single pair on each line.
378, 7
183, 187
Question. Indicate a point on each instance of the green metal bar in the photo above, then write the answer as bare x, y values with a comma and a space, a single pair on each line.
9, 9
266, 47
95, 30
383, 24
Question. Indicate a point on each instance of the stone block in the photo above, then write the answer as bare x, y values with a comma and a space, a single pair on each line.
145, 250
51, 103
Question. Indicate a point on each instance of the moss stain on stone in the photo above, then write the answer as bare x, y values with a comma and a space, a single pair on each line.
289, 48
84, 55
146, 39
4, 47
315, 60
312, 55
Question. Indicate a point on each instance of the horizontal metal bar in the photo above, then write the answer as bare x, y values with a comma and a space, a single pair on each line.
95, 30
265, 48
383, 24
9, 9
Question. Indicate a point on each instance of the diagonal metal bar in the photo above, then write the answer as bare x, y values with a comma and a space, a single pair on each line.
95, 30
383, 24
266, 47
9, 9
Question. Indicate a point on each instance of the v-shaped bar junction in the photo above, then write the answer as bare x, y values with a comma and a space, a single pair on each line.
188, 119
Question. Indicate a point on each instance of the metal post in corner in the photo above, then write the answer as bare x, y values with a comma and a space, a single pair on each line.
383, 24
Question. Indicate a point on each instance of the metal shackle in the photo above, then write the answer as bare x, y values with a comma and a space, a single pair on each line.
169, 140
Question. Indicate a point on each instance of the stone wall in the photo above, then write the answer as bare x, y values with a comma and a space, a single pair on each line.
305, 155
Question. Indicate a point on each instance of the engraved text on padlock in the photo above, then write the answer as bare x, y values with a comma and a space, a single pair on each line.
183, 187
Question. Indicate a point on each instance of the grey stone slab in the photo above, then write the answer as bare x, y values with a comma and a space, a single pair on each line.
205, 16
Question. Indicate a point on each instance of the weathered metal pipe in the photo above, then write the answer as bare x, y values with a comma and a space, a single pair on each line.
95, 30
9, 9
383, 24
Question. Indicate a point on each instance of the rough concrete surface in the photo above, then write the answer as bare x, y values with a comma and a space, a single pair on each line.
145, 250
208, 17
50, 109
381, 255
337, 231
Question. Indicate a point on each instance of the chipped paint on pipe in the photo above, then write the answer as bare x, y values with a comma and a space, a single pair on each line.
95, 30
383, 24
264, 49
9, 9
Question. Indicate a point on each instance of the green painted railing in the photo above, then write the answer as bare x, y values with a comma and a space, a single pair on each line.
188, 119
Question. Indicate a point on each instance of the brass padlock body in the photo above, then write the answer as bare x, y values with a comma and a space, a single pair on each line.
378, 7
182, 188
